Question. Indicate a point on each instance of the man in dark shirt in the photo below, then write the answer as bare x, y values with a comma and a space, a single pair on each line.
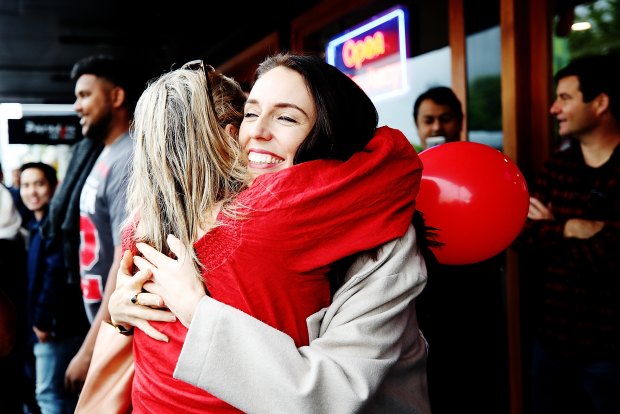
460, 309
572, 242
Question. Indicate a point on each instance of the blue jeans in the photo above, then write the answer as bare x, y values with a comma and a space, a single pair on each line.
563, 385
52, 360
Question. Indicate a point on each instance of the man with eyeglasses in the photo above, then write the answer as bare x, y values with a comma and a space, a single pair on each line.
90, 206
572, 238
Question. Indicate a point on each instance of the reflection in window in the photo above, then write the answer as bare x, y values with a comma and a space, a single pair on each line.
484, 99
588, 28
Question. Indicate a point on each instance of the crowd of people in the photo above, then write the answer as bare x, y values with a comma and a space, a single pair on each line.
261, 251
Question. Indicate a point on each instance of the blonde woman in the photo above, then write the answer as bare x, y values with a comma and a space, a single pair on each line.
186, 167
324, 196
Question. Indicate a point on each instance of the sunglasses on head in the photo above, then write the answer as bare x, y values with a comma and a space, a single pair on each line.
199, 64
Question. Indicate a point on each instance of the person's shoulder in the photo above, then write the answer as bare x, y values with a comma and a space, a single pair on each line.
85, 146
4, 190
121, 150
10, 220
124, 141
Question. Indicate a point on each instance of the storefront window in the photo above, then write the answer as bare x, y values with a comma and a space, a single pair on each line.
484, 98
585, 29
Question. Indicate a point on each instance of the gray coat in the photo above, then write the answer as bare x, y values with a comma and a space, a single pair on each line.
366, 353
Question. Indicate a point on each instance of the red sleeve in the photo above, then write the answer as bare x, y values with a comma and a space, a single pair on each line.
321, 211
127, 237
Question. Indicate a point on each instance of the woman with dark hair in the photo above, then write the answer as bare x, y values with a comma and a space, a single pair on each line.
327, 187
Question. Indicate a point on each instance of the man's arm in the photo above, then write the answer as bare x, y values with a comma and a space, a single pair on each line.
78, 367
581, 228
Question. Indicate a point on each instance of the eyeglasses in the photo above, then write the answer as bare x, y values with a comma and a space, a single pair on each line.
198, 64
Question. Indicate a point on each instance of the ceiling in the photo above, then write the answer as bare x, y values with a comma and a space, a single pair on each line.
41, 39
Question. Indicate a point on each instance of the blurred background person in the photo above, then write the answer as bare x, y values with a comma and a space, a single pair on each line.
455, 309
14, 390
53, 307
572, 240
17, 200
15, 188
88, 207
437, 113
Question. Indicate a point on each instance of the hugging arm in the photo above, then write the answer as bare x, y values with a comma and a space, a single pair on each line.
368, 331
125, 313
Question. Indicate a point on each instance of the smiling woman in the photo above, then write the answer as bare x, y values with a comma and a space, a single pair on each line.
266, 254
276, 124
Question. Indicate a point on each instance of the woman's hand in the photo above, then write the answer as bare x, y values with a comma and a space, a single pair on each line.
147, 307
176, 281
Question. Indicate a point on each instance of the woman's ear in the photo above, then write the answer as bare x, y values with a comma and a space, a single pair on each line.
232, 130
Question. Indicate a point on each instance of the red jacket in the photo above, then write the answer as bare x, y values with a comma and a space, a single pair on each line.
272, 264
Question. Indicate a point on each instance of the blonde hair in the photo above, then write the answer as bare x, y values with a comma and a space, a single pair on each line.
185, 165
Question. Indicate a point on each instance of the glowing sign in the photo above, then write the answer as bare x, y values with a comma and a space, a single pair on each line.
355, 52
374, 54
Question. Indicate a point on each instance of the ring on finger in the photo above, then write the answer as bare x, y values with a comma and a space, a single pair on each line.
134, 298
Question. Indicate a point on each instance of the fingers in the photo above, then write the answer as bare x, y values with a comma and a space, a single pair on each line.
135, 288
152, 332
127, 259
126, 262
150, 300
537, 209
145, 314
136, 282
155, 257
143, 264
177, 247
140, 278
536, 203
124, 270
154, 288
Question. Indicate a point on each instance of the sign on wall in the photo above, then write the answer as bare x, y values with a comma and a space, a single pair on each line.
47, 130
374, 54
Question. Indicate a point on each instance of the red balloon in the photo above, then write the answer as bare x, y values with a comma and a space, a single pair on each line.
475, 196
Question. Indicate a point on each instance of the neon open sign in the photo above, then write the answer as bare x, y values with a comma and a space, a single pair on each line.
356, 52
374, 54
